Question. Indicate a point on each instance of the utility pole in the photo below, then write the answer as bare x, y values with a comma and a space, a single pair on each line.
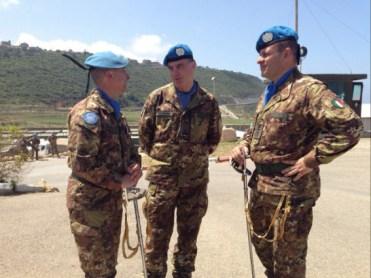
296, 17
297, 23
213, 79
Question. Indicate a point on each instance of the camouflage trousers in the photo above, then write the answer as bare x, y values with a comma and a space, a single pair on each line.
286, 256
35, 153
54, 149
95, 218
162, 200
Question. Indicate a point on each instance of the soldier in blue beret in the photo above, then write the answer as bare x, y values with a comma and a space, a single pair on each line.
178, 52
287, 148
179, 127
274, 35
106, 60
103, 161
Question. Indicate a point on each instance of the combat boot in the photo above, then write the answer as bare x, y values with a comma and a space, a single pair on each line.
182, 274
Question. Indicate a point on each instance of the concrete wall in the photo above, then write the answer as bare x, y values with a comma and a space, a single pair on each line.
366, 127
366, 123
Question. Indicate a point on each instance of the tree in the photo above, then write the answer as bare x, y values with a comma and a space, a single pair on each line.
12, 155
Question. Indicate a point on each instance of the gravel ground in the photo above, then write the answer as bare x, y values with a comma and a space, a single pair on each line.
35, 238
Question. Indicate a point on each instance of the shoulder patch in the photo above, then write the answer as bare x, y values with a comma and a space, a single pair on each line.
90, 118
337, 103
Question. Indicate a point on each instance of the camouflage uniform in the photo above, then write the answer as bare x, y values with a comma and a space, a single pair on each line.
288, 128
22, 147
179, 142
53, 144
34, 143
99, 155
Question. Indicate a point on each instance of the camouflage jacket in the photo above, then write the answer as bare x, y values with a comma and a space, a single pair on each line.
52, 139
179, 137
35, 141
99, 153
288, 127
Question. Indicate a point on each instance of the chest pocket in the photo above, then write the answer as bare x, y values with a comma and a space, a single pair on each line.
110, 132
280, 130
125, 143
163, 119
272, 126
281, 117
199, 126
278, 121
113, 142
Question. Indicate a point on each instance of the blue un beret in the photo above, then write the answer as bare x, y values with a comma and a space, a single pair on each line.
177, 52
276, 34
107, 60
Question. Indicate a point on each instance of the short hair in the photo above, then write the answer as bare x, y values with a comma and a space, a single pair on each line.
97, 74
288, 44
293, 46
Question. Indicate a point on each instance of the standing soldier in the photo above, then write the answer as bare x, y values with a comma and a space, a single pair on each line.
53, 144
103, 161
299, 124
34, 143
180, 126
22, 147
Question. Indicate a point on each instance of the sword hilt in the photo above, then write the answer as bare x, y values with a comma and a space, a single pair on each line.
135, 193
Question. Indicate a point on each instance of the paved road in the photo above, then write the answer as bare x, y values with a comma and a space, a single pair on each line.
35, 240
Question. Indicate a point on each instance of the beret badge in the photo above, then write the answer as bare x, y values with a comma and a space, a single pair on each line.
179, 51
267, 37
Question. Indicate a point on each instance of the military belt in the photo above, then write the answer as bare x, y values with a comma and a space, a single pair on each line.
273, 169
302, 202
84, 181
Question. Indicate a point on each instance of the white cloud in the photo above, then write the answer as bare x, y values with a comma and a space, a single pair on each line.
4, 4
149, 47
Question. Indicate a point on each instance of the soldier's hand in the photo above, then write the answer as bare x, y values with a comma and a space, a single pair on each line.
239, 154
135, 172
127, 181
298, 169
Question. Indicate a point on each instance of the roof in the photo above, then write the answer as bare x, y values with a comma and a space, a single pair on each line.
336, 76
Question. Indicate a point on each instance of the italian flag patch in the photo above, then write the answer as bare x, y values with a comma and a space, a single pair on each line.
338, 103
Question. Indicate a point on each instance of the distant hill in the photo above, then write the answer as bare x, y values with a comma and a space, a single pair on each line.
32, 76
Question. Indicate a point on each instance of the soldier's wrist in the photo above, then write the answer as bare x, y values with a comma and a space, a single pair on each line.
112, 185
310, 159
114, 182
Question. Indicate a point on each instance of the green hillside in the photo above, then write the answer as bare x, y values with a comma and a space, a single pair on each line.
32, 76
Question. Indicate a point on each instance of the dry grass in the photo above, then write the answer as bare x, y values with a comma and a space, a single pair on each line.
224, 148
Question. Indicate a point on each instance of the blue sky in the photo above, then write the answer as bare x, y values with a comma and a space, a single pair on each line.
222, 34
